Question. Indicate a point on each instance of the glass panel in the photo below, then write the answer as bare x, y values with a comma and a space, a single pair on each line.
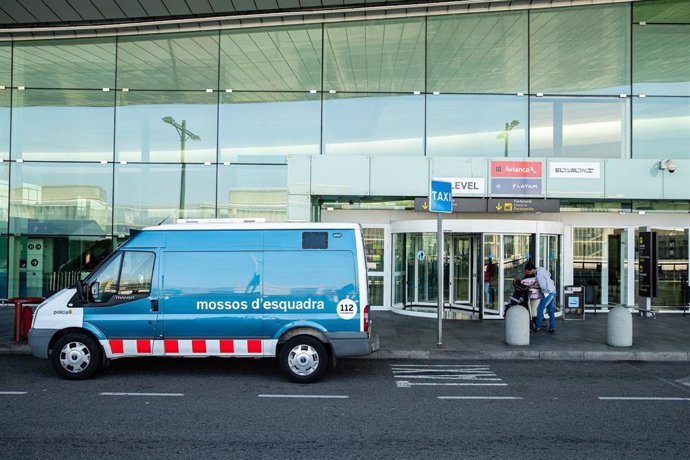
672, 268
4, 197
166, 126
375, 284
5, 114
580, 50
427, 269
67, 125
373, 124
398, 269
373, 248
662, 11
490, 274
252, 191
374, 56
462, 269
661, 61
599, 262
168, 61
148, 194
516, 253
6, 314
61, 199
411, 243
579, 127
269, 124
74, 63
477, 53
6, 64
489, 126
660, 127
271, 59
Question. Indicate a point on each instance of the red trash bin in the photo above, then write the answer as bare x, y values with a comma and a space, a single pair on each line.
19, 324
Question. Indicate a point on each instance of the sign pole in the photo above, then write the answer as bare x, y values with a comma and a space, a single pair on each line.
439, 243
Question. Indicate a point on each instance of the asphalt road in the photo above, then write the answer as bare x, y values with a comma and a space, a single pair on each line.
214, 408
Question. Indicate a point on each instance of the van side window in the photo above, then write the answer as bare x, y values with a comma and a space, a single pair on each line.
301, 273
128, 273
315, 240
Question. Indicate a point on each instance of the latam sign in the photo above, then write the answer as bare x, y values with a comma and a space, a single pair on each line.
516, 169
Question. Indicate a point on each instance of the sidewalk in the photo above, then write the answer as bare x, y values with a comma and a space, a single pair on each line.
666, 338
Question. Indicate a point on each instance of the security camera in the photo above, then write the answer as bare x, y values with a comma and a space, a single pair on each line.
668, 165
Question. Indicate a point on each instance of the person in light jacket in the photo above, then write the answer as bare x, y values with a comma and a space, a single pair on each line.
548, 291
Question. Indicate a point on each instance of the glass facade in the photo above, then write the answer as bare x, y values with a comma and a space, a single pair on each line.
102, 135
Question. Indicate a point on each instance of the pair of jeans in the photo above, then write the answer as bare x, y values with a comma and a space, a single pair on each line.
546, 302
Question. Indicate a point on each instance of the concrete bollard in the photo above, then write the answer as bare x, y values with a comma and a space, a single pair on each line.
517, 325
620, 328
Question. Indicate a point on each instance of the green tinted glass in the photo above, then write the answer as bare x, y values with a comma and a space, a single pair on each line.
666, 11
271, 59
62, 125
4, 198
661, 60
661, 127
580, 51
252, 191
477, 53
78, 63
6, 64
374, 56
5, 96
186, 61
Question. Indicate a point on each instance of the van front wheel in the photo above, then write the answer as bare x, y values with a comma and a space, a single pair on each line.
76, 356
303, 359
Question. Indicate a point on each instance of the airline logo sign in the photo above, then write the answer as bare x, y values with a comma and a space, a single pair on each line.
526, 169
516, 178
466, 186
563, 170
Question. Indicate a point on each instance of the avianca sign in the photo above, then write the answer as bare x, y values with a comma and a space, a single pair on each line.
516, 169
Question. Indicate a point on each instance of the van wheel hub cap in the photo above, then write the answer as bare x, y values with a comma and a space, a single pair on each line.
303, 360
75, 357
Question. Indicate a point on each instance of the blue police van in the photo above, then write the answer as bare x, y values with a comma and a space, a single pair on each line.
297, 292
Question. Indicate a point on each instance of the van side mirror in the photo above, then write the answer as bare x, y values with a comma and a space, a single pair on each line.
95, 289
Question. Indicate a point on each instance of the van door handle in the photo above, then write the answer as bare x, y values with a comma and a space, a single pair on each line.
154, 304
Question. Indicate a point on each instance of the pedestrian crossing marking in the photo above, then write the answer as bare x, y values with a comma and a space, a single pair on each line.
409, 375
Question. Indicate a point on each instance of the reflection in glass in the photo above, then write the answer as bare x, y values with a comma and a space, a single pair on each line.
4, 197
490, 126
661, 61
62, 125
662, 11
399, 270
73, 63
61, 199
140, 203
5, 96
661, 127
144, 135
271, 59
181, 61
579, 127
374, 56
6, 64
373, 124
477, 53
517, 251
268, 124
580, 50
252, 191
600, 264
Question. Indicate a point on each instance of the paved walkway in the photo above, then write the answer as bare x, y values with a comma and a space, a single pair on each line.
666, 338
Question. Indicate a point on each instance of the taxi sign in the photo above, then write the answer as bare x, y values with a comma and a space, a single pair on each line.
441, 196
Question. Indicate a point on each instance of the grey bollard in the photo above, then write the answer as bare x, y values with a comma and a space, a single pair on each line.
517, 325
620, 328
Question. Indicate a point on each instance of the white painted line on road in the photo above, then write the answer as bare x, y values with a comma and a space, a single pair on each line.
640, 398
685, 381
306, 396
406, 384
13, 392
453, 377
479, 397
441, 365
141, 394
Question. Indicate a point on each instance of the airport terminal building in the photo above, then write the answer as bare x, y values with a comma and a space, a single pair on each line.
564, 127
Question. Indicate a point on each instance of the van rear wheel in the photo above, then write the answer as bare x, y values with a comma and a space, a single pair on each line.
303, 359
76, 356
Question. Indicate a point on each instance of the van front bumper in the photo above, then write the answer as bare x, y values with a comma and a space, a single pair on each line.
346, 344
39, 340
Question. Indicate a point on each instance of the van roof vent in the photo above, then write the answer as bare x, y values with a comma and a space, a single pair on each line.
248, 220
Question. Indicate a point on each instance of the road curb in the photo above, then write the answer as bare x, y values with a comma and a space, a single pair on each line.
11, 348
550, 355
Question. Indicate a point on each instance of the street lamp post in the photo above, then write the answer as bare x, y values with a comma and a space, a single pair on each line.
184, 134
505, 135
